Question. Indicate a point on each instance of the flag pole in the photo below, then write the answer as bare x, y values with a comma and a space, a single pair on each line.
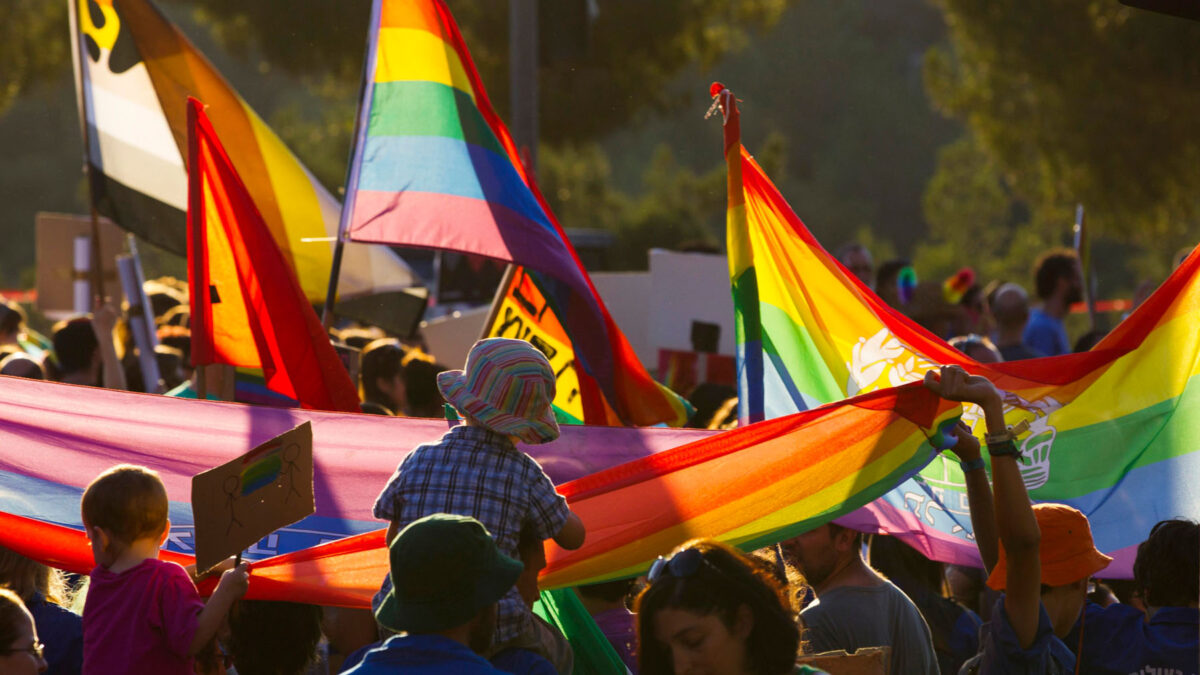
366, 91
79, 53
1084, 252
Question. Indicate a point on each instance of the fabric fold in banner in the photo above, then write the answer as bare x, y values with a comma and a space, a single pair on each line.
435, 167
1111, 430
247, 306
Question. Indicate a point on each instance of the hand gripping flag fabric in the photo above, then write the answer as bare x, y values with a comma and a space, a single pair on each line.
1112, 430
134, 72
641, 492
435, 167
247, 306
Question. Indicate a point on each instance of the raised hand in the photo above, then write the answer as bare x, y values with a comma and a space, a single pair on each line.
954, 384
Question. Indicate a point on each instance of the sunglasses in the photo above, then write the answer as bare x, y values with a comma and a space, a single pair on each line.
37, 649
681, 565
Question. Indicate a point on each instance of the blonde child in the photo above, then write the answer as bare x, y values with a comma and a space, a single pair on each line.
143, 615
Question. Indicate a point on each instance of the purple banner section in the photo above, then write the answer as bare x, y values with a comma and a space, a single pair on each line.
67, 435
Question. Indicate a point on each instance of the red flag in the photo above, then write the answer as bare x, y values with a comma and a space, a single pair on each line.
248, 308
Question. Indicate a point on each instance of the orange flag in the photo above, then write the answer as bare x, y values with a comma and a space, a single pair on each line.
248, 308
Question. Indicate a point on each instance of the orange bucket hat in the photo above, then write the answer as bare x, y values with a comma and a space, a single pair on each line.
1067, 551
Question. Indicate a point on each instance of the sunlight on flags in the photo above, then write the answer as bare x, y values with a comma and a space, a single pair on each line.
135, 70
1121, 416
247, 306
435, 167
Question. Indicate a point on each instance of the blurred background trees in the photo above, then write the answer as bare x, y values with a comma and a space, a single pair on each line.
953, 132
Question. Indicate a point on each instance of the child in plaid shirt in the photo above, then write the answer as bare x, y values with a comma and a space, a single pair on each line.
505, 394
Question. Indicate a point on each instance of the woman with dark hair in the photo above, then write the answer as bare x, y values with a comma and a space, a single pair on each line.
710, 607
20, 651
43, 591
383, 374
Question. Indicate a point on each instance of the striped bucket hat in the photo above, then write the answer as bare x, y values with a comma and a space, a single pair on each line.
507, 386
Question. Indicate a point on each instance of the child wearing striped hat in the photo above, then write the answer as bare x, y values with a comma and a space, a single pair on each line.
504, 394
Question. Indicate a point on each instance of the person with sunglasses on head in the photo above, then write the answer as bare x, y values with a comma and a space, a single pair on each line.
710, 609
1045, 555
20, 651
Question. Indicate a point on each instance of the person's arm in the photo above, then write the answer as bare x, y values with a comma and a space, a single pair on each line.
979, 498
232, 586
104, 319
1015, 521
572, 533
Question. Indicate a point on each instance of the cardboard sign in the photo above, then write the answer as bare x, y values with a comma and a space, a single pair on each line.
525, 315
55, 239
240, 502
865, 661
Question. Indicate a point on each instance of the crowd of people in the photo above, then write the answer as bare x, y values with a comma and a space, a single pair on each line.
469, 516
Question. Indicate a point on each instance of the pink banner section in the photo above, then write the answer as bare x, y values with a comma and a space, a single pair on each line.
67, 435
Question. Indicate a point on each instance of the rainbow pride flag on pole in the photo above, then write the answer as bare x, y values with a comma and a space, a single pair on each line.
1114, 431
435, 167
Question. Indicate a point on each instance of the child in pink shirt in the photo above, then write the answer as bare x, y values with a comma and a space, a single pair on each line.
143, 615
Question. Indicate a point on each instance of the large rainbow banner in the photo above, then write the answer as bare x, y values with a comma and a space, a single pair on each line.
1114, 431
639, 491
435, 167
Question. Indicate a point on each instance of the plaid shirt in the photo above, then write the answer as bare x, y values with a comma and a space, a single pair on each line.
475, 472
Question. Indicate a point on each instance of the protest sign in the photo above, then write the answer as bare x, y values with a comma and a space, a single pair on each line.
242, 501
55, 238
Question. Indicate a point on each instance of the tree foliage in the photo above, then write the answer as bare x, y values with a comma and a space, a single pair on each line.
595, 76
32, 45
1081, 101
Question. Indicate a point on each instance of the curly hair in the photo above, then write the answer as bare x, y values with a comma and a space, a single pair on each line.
1050, 267
1167, 567
728, 581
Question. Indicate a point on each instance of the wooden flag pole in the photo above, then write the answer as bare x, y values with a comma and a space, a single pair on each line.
97, 269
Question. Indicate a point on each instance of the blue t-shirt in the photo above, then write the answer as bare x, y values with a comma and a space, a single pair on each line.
1001, 651
1117, 639
1045, 334
423, 655
61, 630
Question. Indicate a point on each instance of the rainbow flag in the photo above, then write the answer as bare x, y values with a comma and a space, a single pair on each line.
135, 71
435, 167
1112, 431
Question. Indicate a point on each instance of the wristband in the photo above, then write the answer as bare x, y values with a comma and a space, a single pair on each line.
1006, 448
971, 464
1006, 435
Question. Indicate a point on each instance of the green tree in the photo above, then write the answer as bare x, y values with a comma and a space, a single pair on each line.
1081, 101
627, 53
32, 45
975, 220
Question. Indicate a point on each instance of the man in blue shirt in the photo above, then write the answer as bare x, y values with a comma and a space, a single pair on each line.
1059, 285
447, 576
1120, 639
